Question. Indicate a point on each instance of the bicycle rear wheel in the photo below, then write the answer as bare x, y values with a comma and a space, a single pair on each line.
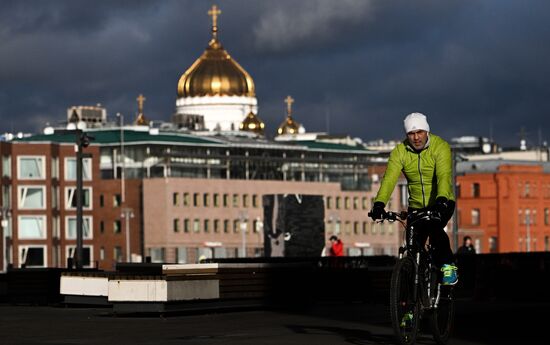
404, 309
443, 316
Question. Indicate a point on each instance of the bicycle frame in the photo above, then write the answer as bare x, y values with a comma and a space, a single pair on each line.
422, 257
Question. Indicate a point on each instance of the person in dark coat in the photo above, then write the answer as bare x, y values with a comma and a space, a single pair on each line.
467, 247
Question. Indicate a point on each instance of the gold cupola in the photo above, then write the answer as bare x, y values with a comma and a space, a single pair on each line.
215, 73
289, 125
252, 123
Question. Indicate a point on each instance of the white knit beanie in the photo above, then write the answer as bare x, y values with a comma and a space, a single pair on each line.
415, 122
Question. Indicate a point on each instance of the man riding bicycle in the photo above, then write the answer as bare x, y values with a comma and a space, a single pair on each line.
425, 160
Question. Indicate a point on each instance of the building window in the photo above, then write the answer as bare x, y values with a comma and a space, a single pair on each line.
216, 200
175, 199
329, 202
70, 227
6, 166
32, 227
255, 200
186, 225
116, 227
493, 244
176, 225
196, 225
347, 227
364, 203
31, 167
157, 254
117, 253
475, 216
101, 200
102, 253
225, 200
355, 203
70, 169
181, 255
235, 226
226, 226
546, 216
526, 189
102, 227
195, 199
338, 202
185, 199
245, 200
206, 225
365, 228
546, 243
475, 190
32, 197
117, 200
356, 228
206, 200
55, 167
216, 225
86, 254
70, 198
32, 256
346, 203
235, 200
458, 190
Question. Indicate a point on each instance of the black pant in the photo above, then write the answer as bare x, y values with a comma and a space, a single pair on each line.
439, 241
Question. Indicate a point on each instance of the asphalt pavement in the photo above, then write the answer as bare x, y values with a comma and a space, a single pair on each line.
330, 324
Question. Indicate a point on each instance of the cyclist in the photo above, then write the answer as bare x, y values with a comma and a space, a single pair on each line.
425, 160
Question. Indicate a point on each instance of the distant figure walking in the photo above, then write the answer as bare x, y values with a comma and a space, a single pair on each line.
467, 247
336, 247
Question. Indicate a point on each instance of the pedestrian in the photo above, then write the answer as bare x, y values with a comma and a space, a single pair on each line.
467, 247
336, 246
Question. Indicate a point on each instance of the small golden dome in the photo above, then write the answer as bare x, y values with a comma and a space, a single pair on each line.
215, 73
289, 125
252, 123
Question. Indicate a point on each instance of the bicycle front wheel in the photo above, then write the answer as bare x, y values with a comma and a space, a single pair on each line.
443, 316
404, 309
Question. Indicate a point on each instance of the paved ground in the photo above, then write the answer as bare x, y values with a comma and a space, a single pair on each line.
360, 324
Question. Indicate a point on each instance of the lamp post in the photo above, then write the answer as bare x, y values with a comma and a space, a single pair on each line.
127, 213
122, 158
528, 230
6, 215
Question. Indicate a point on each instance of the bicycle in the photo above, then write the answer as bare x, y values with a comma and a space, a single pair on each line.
416, 290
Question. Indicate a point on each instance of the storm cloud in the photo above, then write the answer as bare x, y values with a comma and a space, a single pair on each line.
476, 67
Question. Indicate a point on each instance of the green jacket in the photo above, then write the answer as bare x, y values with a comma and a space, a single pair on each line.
429, 172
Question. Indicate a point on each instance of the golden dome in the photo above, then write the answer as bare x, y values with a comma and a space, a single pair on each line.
215, 73
289, 125
252, 123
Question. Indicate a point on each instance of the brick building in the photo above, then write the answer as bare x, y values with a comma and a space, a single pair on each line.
505, 205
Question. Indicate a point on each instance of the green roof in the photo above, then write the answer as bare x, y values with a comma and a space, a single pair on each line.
113, 137
320, 145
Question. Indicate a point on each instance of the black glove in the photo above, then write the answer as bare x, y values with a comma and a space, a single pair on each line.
377, 210
443, 208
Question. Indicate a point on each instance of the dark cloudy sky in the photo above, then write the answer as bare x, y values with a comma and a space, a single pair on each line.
357, 67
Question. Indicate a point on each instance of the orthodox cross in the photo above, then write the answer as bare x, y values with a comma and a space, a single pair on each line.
289, 100
214, 12
140, 101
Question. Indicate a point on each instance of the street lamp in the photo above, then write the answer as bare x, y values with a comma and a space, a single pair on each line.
122, 158
528, 230
127, 213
